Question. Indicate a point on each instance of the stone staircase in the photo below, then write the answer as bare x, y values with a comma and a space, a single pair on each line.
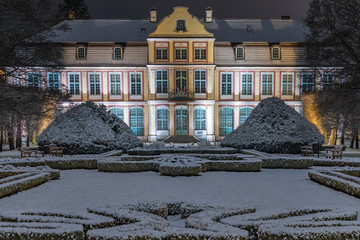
181, 139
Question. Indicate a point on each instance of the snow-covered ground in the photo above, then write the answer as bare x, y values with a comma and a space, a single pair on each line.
78, 190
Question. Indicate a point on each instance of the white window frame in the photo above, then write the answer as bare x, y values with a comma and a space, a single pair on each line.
200, 50
205, 119
168, 116
48, 80
120, 84
282, 84
272, 53
75, 73
161, 49
232, 82
245, 107
272, 83
77, 53
114, 52
131, 85
181, 49
307, 83
200, 81
236, 53
100, 87
242, 84
122, 117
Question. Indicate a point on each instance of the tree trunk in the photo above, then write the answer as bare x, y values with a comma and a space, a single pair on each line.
18, 135
352, 142
1, 139
11, 139
357, 141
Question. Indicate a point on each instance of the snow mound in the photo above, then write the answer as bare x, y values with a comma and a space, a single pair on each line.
273, 127
89, 128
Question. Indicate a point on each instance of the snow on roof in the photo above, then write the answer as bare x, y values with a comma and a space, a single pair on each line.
227, 30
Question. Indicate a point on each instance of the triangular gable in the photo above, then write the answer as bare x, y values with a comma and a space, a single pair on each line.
168, 26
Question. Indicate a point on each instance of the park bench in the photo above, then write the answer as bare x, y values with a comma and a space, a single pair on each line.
27, 152
56, 151
307, 150
335, 152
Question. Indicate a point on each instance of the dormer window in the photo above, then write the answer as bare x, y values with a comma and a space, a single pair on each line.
180, 25
275, 53
81, 53
117, 53
239, 53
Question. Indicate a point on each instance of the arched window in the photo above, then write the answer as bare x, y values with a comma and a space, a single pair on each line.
200, 119
117, 53
245, 113
240, 53
162, 119
119, 112
275, 53
180, 25
226, 119
81, 53
137, 121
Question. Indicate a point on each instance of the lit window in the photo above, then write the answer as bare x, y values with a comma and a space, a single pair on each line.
226, 118
118, 53
33, 79
54, 81
81, 53
240, 53
267, 84
246, 84
137, 121
161, 81
119, 112
94, 79
200, 119
161, 54
200, 53
162, 119
180, 25
275, 53
115, 83
226, 83
200, 81
74, 83
135, 83
328, 81
287, 84
180, 53
244, 114
307, 82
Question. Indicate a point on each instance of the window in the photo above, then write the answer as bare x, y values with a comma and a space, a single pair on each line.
33, 79
161, 81
275, 53
267, 84
16, 79
200, 53
240, 53
161, 54
287, 84
200, 119
225, 121
200, 81
180, 25
74, 83
119, 112
244, 114
226, 83
162, 119
94, 79
328, 81
137, 121
81, 53
117, 53
246, 83
307, 82
54, 81
135, 83
180, 53
115, 84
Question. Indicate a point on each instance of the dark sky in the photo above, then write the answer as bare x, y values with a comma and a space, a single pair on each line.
139, 9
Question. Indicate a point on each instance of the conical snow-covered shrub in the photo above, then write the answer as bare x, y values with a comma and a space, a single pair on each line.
273, 127
87, 129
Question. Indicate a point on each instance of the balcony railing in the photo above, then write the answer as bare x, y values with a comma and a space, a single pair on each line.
181, 95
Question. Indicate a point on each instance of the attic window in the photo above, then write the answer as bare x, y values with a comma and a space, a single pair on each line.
275, 53
180, 25
117, 53
239, 53
81, 53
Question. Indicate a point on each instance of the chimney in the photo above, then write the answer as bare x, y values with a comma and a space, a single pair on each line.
209, 15
285, 17
71, 15
153, 15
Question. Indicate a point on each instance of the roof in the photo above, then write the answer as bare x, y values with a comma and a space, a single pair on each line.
227, 30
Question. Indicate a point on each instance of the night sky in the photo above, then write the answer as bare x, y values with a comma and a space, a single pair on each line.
139, 9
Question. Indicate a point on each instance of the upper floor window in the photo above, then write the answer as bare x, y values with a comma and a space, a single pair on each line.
162, 119
328, 81
240, 53
119, 112
16, 79
115, 83
161, 81
54, 81
135, 83
94, 79
246, 83
226, 83
180, 53
117, 53
74, 83
81, 53
200, 81
161, 54
33, 79
200, 119
266, 84
307, 82
200, 54
275, 53
287, 84
180, 25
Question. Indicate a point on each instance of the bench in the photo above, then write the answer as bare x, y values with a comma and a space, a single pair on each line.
27, 152
307, 150
335, 152
55, 151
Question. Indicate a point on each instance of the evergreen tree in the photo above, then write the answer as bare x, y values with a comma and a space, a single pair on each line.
78, 6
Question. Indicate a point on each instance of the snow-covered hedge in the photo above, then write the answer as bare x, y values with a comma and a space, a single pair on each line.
336, 163
88, 128
22, 162
181, 150
246, 165
72, 162
180, 169
273, 127
287, 162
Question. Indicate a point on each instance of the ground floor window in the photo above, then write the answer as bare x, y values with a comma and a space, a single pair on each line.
137, 121
119, 112
244, 114
226, 118
200, 119
162, 119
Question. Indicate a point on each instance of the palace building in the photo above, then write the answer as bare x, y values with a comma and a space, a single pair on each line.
183, 76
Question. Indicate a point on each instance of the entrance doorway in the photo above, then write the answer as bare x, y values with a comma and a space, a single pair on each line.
181, 122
